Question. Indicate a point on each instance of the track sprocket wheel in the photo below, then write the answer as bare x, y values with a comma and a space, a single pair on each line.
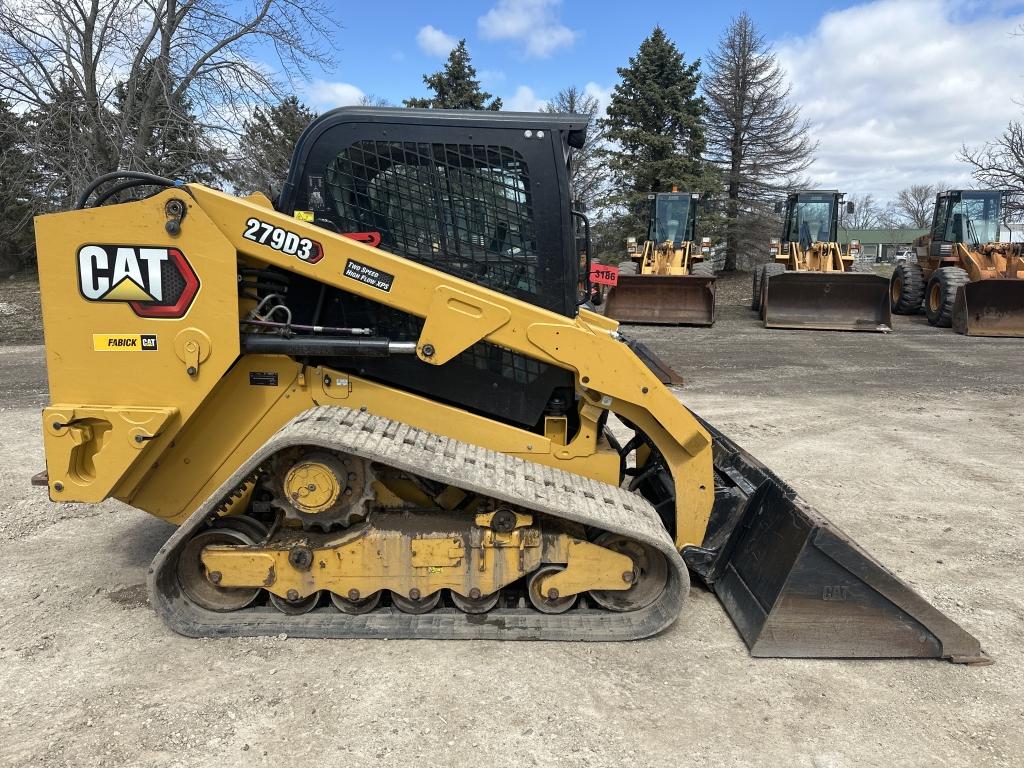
322, 489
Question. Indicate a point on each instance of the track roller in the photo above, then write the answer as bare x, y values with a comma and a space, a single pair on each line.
415, 604
479, 604
550, 603
355, 605
296, 606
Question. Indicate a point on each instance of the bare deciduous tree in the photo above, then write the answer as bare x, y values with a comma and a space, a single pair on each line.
999, 164
915, 204
587, 174
106, 81
373, 100
866, 212
754, 133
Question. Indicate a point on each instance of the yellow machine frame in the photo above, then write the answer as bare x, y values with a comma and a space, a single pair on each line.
819, 257
104, 436
664, 259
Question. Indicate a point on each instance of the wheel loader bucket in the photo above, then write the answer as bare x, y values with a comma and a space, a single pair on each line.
797, 586
662, 300
993, 307
828, 301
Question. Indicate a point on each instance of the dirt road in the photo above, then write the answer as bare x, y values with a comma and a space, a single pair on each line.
911, 443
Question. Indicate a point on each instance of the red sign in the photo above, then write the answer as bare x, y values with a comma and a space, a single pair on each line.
602, 274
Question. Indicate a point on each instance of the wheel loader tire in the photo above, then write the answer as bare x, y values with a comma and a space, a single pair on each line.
906, 289
940, 295
703, 269
627, 267
755, 295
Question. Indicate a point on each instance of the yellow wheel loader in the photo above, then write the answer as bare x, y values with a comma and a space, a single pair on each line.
809, 283
670, 280
964, 277
375, 409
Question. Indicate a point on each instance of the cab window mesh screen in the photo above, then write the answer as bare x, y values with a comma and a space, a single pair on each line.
464, 209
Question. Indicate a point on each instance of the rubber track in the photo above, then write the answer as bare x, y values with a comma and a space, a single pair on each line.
533, 486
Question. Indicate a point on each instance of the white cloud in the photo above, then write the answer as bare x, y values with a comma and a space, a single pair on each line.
323, 94
433, 42
491, 76
523, 100
603, 95
888, 115
533, 23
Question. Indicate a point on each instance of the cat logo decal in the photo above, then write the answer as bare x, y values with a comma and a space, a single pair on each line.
154, 282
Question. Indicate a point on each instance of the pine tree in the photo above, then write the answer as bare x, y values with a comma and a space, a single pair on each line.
167, 139
16, 177
655, 128
267, 143
67, 149
455, 86
587, 173
755, 135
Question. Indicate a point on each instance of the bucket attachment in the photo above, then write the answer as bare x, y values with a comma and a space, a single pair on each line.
828, 301
796, 586
993, 307
662, 300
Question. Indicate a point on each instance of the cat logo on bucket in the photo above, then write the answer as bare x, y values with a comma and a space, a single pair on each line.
153, 281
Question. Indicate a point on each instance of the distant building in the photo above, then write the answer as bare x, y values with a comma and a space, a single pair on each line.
881, 244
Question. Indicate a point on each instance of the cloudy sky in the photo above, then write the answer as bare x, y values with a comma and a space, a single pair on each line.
893, 87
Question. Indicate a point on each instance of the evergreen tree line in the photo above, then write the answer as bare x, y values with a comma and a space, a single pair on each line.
728, 130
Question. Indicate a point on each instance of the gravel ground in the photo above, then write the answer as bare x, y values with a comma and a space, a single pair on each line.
910, 442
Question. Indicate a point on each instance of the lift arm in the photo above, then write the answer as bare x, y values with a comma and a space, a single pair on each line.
458, 314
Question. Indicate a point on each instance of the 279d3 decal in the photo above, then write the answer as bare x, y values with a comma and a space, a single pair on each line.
309, 251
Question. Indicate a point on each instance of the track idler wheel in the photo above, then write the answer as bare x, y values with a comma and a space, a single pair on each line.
200, 587
650, 575
548, 603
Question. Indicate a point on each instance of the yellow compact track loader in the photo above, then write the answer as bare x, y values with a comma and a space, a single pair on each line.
670, 279
374, 409
809, 282
964, 276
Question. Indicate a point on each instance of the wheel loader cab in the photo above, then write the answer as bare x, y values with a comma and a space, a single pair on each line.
673, 218
811, 217
965, 216
483, 196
